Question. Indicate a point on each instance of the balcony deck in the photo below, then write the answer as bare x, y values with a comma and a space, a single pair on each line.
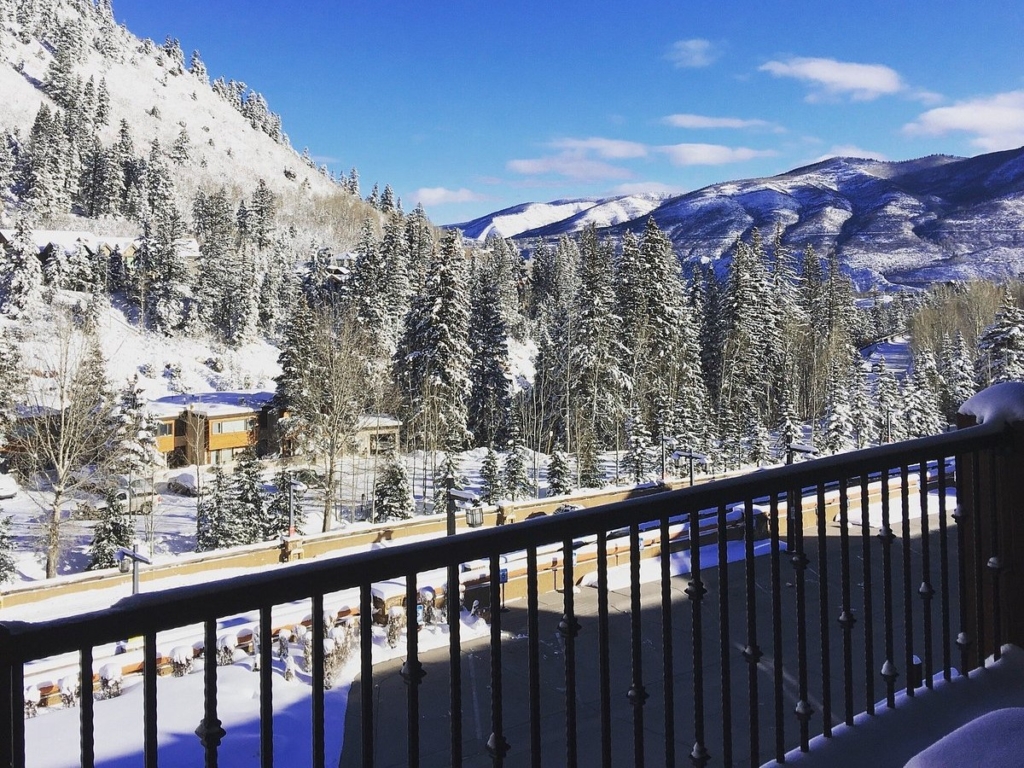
731, 665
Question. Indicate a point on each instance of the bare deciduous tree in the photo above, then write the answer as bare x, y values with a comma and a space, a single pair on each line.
65, 427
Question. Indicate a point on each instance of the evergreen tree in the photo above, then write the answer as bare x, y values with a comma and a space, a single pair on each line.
516, 481
214, 527
248, 505
588, 466
263, 213
958, 377
559, 477
837, 430
13, 379
392, 492
887, 405
490, 396
284, 505
1001, 348
114, 530
491, 486
8, 565
637, 461
21, 276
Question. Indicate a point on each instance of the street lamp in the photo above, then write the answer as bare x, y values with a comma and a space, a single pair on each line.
693, 456
474, 512
128, 560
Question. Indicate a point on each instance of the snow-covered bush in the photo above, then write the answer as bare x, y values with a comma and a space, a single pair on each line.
306, 640
70, 690
256, 649
181, 660
396, 622
289, 668
284, 639
110, 681
331, 665
226, 645
33, 697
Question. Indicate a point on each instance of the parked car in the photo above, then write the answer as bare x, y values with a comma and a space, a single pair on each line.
136, 500
561, 508
8, 487
184, 484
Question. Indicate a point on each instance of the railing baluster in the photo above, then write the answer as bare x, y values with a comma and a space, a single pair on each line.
453, 608
778, 662
696, 591
9, 713
497, 747
266, 688
752, 652
666, 639
926, 591
908, 606
886, 536
804, 711
149, 747
866, 594
724, 641
87, 717
366, 673
994, 563
412, 671
637, 694
569, 628
533, 620
963, 637
846, 618
317, 675
603, 651
947, 661
823, 616
18, 720
209, 731
979, 568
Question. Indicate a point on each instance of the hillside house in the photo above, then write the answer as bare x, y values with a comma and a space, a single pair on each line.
377, 434
213, 427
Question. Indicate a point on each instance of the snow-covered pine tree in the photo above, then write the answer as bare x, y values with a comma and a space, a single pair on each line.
8, 565
1001, 348
392, 492
559, 475
214, 527
491, 486
115, 529
588, 466
280, 506
957, 376
247, 498
836, 433
888, 412
637, 461
13, 379
263, 213
490, 396
447, 472
21, 275
516, 481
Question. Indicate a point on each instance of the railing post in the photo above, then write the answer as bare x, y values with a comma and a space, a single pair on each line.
8, 712
989, 497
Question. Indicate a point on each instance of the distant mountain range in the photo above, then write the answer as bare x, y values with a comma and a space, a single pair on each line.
908, 223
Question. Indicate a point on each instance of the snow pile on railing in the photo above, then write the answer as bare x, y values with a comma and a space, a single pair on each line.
1001, 402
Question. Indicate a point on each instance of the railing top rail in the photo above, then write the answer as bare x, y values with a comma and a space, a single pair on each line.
181, 606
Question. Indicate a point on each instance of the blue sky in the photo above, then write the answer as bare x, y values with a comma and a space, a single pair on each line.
470, 107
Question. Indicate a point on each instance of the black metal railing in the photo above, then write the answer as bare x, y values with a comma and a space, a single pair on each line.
633, 675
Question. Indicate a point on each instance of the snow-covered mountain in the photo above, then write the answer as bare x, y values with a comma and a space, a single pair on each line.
911, 223
540, 219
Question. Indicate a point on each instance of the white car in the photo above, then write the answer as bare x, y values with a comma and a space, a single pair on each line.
8, 487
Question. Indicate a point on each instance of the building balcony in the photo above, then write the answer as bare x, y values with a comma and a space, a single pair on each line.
861, 604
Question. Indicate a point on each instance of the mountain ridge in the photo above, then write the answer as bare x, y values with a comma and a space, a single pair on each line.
907, 223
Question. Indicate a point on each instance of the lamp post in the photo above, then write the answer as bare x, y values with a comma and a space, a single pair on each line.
693, 456
291, 506
124, 555
449, 486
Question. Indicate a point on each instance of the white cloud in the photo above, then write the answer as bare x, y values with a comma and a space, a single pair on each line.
711, 154
613, 149
850, 150
575, 162
430, 196
831, 78
692, 53
704, 121
997, 121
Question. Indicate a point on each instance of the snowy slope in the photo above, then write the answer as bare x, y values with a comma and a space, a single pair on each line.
158, 100
512, 222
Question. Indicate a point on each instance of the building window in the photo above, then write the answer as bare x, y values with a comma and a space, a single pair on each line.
232, 426
164, 429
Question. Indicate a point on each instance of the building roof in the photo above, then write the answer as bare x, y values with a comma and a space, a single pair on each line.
211, 404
